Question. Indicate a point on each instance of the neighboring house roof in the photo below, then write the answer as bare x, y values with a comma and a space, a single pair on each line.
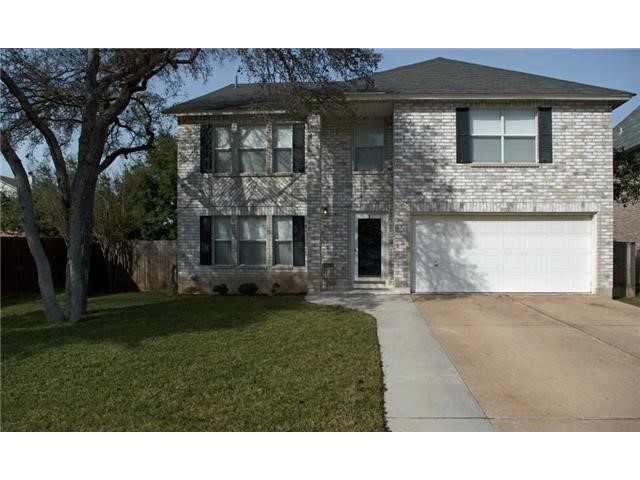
436, 78
626, 135
9, 180
8, 183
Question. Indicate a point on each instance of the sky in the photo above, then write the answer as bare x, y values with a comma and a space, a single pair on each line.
617, 69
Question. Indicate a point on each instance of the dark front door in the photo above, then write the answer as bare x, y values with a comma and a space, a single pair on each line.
369, 247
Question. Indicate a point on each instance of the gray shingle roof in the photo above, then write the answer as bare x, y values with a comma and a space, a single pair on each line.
231, 97
626, 135
9, 180
438, 77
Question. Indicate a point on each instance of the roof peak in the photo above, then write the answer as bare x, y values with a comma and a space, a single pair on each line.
437, 77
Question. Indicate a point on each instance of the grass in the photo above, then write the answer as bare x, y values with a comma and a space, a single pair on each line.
632, 300
160, 362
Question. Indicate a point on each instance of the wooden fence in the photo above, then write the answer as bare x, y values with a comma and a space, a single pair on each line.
155, 262
153, 270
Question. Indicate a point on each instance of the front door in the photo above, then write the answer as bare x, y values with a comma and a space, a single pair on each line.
369, 247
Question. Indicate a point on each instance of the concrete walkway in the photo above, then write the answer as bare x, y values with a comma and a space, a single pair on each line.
424, 392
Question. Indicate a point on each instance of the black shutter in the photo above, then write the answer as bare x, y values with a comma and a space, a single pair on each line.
298, 241
298, 147
206, 157
205, 240
545, 140
463, 137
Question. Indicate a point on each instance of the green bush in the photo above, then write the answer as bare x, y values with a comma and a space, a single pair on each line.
248, 289
221, 289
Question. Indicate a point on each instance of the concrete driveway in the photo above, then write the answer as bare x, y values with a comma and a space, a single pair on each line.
544, 362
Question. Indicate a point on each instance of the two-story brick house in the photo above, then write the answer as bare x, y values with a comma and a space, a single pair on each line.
448, 177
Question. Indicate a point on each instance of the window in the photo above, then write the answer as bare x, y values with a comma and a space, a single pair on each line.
282, 241
253, 149
283, 148
252, 246
222, 241
369, 147
222, 149
503, 136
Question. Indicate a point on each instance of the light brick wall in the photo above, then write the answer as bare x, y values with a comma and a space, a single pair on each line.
420, 176
427, 178
224, 194
346, 192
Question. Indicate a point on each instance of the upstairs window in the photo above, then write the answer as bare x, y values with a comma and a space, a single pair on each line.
283, 148
222, 150
503, 136
253, 149
369, 147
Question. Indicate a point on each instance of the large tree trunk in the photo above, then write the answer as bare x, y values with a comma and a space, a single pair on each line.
77, 282
78, 266
45, 280
79, 244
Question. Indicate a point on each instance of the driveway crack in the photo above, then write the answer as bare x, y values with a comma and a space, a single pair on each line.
542, 312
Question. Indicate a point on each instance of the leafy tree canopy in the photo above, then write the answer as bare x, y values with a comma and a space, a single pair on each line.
626, 170
153, 186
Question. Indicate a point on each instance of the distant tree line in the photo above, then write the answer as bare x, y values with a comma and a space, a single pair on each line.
626, 172
138, 202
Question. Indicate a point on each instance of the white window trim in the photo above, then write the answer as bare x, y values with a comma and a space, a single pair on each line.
502, 137
383, 252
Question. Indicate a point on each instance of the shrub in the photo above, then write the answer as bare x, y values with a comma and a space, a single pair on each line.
248, 289
221, 289
275, 288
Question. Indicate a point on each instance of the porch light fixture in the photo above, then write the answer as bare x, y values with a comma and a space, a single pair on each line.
325, 211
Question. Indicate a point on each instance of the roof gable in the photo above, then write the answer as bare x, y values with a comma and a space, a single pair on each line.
444, 76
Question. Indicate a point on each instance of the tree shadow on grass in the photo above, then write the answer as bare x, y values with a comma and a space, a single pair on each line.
28, 334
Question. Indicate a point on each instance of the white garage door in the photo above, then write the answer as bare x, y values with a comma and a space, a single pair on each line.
502, 254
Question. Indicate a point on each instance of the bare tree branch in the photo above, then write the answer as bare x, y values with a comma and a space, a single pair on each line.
50, 137
111, 157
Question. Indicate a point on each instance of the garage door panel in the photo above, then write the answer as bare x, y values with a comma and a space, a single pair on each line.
554, 263
556, 242
532, 242
506, 254
487, 241
577, 265
512, 264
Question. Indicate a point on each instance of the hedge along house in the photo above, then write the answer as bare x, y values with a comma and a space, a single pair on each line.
450, 177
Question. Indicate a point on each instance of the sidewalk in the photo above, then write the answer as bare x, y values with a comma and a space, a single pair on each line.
424, 391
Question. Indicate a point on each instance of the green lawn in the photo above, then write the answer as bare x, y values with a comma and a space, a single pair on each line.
159, 362
632, 300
